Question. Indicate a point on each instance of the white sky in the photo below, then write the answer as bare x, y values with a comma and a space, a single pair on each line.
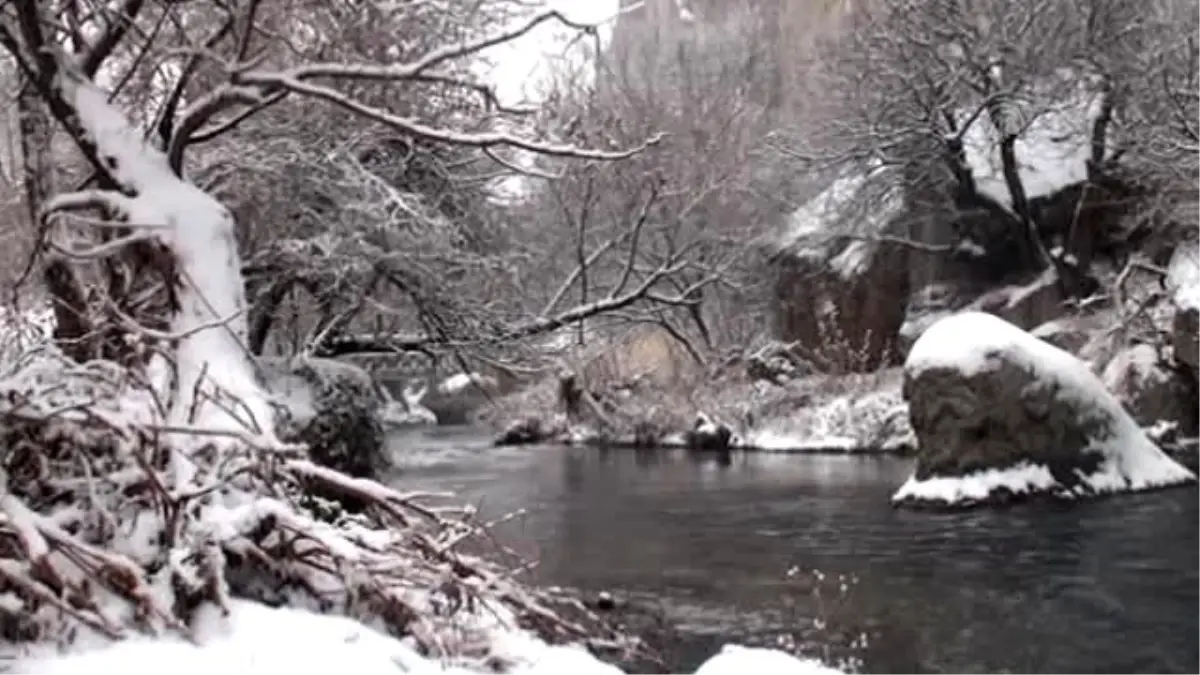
524, 65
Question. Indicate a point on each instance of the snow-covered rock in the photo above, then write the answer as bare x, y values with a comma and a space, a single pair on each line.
1183, 282
1000, 414
335, 408
841, 292
455, 398
707, 434
738, 660
1053, 148
1150, 389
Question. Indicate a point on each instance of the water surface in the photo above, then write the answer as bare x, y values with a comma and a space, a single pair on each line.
1103, 586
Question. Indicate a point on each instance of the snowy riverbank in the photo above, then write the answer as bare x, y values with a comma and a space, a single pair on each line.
255, 638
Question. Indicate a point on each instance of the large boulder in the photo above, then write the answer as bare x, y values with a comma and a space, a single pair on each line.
843, 309
334, 408
842, 277
999, 414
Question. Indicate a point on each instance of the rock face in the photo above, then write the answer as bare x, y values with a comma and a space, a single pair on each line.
850, 313
1024, 305
841, 287
1151, 389
1183, 282
335, 408
999, 414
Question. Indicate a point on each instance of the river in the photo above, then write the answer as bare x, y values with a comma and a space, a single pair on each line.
1103, 586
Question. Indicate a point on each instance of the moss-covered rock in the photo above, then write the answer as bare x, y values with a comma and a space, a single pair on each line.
334, 408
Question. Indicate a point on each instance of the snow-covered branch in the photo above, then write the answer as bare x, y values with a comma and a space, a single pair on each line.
204, 109
417, 128
425, 64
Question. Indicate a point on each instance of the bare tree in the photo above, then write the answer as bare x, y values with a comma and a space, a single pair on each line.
1004, 110
172, 307
703, 195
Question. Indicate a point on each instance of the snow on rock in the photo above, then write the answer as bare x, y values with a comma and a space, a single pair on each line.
814, 229
1183, 281
738, 660
255, 638
999, 414
840, 287
455, 398
1054, 146
708, 434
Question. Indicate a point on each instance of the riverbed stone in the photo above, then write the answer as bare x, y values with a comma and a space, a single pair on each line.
708, 434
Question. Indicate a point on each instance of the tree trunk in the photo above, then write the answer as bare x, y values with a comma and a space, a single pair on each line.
215, 385
71, 325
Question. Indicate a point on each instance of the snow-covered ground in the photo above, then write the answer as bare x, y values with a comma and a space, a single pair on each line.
872, 420
255, 638
969, 342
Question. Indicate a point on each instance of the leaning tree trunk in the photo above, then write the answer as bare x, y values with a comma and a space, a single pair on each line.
215, 386
68, 301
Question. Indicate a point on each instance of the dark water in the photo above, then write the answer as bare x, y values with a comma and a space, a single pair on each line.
1104, 586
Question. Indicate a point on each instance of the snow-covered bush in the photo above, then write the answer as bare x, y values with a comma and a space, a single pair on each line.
97, 536
22, 330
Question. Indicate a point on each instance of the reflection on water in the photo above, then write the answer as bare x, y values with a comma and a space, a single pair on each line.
1106, 586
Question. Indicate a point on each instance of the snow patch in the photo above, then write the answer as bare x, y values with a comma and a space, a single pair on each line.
253, 638
457, 382
969, 342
